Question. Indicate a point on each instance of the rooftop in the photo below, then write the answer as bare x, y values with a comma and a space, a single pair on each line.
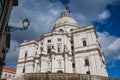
5, 68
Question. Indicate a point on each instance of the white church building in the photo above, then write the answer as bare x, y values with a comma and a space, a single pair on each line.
66, 49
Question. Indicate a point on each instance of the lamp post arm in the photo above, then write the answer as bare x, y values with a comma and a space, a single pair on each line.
12, 29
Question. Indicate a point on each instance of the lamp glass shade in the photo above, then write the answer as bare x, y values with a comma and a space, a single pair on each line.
26, 23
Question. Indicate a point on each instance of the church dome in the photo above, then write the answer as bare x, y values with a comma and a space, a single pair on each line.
65, 19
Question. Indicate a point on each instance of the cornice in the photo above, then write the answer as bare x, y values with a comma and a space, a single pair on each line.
26, 57
28, 43
21, 62
55, 54
51, 34
86, 51
83, 29
65, 24
86, 46
9, 71
86, 28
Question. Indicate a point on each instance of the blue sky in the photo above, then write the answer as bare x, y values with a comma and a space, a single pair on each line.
103, 14
113, 27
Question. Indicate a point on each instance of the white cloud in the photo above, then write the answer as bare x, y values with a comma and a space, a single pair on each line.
118, 56
104, 15
42, 17
115, 45
110, 45
91, 9
43, 14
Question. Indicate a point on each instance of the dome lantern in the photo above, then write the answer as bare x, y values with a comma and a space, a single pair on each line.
65, 19
65, 13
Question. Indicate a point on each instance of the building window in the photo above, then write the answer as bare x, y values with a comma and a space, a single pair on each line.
41, 43
72, 48
59, 71
41, 48
25, 55
86, 62
103, 62
84, 43
59, 48
59, 39
73, 65
88, 72
48, 72
71, 29
49, 40
23, 70
49, 49
61, 30
71, 42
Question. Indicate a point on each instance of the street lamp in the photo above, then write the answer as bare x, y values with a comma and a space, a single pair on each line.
26, 23
9, 29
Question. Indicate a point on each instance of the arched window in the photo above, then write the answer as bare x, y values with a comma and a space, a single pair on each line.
48, 72
61, 30
59, 71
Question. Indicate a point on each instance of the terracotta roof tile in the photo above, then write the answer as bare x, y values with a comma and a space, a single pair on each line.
9, 69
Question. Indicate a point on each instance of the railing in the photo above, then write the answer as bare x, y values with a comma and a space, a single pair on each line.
63, 76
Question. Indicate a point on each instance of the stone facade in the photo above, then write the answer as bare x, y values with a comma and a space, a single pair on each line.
66, 49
